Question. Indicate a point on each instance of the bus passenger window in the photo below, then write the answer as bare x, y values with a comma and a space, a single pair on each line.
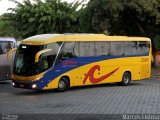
84, 49
67, 51
143, 48
117, 49
76, 49
102, 48
48, 58
130, 48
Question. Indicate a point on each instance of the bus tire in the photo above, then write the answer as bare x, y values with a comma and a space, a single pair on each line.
126, 78
63, 84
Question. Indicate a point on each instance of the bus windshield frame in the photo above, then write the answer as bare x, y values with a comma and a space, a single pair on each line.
24, 63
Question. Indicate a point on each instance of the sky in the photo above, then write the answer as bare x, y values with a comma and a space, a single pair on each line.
5, 4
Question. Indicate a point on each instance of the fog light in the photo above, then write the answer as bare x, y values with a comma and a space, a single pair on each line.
34, 86
13, 83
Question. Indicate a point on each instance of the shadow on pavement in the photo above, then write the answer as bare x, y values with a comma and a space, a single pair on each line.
107, 85
5, 82
54, 91
34, 92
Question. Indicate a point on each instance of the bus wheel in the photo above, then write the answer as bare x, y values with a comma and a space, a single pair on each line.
63, 84
126, 79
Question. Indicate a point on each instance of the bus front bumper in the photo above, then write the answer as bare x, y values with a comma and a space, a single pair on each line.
24, 85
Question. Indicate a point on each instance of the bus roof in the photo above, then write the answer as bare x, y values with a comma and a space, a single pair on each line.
49, 38
7, 39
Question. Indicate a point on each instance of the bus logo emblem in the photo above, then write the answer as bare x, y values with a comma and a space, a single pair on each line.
91, 72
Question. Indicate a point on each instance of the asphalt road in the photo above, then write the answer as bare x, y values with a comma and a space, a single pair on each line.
141, 97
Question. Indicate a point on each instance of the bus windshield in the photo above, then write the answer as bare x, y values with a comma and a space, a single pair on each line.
25, 65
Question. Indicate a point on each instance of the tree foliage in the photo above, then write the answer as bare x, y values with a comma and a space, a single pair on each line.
114, 17
125, 17
50, 16
6, 28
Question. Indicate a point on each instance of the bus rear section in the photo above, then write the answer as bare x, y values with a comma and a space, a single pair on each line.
63, 63
6, 44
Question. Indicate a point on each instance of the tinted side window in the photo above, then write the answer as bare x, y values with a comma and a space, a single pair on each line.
5, 47
130, 48
102, 48
67, 50
48, 58
117, 49
1, 50
85, 49
143, 48
53, 46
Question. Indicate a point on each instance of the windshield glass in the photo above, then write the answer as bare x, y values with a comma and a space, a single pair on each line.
24, 64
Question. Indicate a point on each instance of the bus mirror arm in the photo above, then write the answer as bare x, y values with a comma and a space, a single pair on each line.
9, 53
40, 53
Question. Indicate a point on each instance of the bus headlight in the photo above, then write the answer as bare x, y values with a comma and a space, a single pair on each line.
34, 86
13, 83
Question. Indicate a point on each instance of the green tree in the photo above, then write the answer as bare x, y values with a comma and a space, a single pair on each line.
50, 16
85, 21
6, 28
124, 17
156, 41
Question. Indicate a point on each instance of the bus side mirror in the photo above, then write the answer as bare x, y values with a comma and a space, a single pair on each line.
9, 53
40, 53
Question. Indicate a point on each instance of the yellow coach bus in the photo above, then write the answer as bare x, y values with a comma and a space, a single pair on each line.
60, 61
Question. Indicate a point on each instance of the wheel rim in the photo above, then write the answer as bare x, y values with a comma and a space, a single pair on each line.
126, 78
61, 84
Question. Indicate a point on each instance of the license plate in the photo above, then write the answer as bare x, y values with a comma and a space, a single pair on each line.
21, 85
